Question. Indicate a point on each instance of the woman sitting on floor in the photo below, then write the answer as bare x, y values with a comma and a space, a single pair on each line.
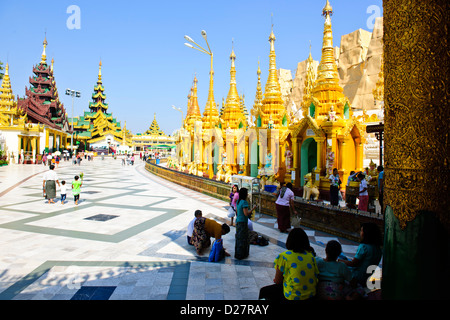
296, 271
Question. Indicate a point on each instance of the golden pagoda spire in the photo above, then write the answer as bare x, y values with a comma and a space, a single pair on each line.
232, 116
327, 89
7, 100
210, 115
327, 71
273, 105
311, 75
257, 105
44, 55
10, 114
193, 110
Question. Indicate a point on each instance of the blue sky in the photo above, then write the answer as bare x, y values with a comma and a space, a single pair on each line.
146, 67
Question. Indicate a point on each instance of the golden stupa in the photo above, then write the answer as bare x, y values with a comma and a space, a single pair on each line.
328, 136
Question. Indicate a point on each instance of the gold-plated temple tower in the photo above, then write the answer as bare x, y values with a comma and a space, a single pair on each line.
10, 115
232, 116
328, 136
193, 110
273, 110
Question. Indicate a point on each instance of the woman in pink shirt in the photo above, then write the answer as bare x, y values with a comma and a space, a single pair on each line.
234, 197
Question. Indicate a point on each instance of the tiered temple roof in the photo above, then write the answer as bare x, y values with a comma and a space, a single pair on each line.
98, 97
154, 129
95, 124
42, 104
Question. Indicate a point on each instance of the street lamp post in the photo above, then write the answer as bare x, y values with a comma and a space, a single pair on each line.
74, 94
210, 103
211, 73
178, 109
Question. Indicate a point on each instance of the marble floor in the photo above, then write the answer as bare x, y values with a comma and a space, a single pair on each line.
125, 240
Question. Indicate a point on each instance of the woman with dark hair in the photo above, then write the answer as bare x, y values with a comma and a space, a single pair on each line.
296, 271
284, 200
242, 246
368, 253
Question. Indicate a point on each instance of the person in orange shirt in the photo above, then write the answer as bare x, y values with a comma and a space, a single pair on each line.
204, 229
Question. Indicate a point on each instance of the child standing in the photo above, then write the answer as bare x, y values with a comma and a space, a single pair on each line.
76, 189
63, 191
234, 196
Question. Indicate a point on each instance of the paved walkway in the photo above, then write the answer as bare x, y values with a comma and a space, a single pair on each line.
126, 240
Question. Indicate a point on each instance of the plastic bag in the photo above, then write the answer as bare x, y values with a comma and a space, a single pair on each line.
231, 212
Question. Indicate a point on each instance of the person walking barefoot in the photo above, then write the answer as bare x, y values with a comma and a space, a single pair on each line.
76, 189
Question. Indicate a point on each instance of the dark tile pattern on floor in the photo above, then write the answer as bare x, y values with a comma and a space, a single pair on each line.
101, 217
93, 293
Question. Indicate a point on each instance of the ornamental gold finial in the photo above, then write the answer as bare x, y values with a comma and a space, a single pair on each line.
100, 71
328, 9
44, 55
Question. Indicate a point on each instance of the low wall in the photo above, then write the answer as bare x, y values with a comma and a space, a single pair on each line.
316, 215
217, 189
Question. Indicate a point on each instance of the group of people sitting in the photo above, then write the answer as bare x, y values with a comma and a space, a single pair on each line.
299, 273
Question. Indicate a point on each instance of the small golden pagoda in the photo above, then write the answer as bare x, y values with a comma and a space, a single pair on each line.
328, 136
210, 117
152, 139
272, 127
21, 137
233, 123
232, 116
274, 114
256, 111
154, 129
193, 110
9, 113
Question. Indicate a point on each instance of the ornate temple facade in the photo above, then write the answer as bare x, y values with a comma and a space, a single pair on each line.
35, 124
97, 128
154, 139
274, 143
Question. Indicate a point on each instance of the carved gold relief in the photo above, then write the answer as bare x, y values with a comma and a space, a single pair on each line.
416, 70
